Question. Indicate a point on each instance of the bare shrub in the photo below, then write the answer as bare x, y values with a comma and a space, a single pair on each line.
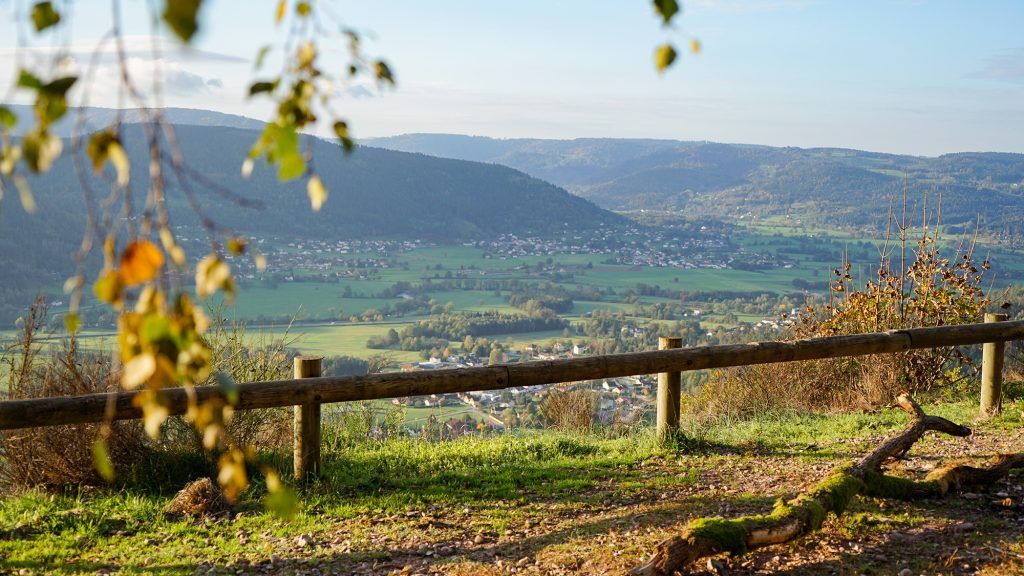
59, 455
911, 288
569, 410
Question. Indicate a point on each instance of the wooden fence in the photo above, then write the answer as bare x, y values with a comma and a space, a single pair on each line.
308, 390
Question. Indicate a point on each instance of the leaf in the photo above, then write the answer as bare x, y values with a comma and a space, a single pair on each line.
59, 86
232, 477
291, 166
664, 57
261, 87
303, 9
72, 322
44, 16
213, 274
282, 5
306, 55
261, 55
695, 46
7, 118
109, 287
182, 17
40, 150
101, 460
104, 146
280, 499
138, 370
383, 72
28, 80
28, 201
667, 9
140, 262
341, 131
260, 261
247, 165
237, 245
154, 415
317, 192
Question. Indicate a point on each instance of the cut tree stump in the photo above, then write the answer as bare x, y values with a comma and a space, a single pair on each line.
805, 514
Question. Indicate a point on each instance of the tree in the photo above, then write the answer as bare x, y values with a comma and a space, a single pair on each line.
160, 326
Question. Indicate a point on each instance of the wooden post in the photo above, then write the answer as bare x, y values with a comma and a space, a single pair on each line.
669, 393
307, 423
992, 354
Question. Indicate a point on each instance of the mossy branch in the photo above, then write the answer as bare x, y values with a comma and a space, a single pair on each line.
804, 514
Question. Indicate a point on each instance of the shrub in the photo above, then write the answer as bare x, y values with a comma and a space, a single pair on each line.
59, 456
931, 290
569, 410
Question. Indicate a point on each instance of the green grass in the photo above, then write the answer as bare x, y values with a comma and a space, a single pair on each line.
406, 490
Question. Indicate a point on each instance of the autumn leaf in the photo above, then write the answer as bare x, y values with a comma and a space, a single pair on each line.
213, 274
140, 262
664, 57
317, 193
101, 460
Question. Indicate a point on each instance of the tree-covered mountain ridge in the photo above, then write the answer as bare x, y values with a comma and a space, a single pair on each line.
830, 186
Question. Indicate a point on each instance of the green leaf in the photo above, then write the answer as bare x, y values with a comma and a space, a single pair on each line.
182, 17
283, 502
260, 87
261, 56
664, 57
59, 86
291, 166
101, 460
44, 16
667, 9
341, 131
28, 80
7, 118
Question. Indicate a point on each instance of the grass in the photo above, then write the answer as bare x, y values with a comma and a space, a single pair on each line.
555, 497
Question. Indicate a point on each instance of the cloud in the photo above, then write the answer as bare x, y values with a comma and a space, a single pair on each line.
1007, 66
175, 79
140, 46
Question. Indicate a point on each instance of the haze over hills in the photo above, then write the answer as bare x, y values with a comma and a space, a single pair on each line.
98, 118
831, 186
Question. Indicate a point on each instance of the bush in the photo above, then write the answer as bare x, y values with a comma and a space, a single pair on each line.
931, 291
59, 456
569, 410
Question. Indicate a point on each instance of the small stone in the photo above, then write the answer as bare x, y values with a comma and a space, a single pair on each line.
906, 572
523, 561
303, 541
479, 539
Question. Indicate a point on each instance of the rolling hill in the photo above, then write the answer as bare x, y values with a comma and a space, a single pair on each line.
830, 186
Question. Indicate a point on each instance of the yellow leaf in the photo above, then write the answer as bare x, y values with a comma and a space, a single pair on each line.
306, 55
120, 161
232, 477
109, 287
261, 262
664, 57
281, 7
317, 193
213, 274
695, 46
101, 460
153, 416
247, 166
28, 200
138, 370
140, 262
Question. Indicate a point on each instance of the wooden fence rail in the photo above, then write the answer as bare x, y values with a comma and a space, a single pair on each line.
312, 391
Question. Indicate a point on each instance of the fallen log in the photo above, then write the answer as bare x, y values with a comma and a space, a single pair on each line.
804, 514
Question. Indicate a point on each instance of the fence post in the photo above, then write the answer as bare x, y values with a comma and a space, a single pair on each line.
992, 354
307, 423
669, 393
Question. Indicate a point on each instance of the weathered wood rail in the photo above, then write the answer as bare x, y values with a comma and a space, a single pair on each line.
309, 389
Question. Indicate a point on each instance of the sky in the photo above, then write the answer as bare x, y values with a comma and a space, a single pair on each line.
921, 77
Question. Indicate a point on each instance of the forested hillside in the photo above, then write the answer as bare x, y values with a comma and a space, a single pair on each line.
374, 193
837, 187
